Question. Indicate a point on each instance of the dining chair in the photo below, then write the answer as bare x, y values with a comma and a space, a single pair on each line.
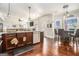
56, 34
60, 35
63, 36
55, 31
76, 38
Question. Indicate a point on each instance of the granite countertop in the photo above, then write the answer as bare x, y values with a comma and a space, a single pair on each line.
18, 32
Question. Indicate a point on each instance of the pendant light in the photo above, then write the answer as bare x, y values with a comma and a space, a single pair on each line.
4, 17
65, 7
29, 19
66, 14
8, 12
29, 13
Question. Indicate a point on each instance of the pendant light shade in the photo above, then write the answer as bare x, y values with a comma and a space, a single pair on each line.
29, 19
29, 13
8, 14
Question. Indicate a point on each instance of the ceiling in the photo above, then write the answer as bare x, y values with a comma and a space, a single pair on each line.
20, 10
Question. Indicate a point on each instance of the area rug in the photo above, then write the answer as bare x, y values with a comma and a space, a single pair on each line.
19, 51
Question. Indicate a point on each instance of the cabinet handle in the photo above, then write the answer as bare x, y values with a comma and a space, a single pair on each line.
24, 39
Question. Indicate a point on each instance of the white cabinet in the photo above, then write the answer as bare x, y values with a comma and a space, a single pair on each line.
36, 37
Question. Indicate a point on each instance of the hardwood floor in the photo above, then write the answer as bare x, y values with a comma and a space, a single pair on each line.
49, 47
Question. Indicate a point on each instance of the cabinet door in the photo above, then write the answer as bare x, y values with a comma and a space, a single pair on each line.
36, 37
6, 45
29, 37
20, 39
9, 45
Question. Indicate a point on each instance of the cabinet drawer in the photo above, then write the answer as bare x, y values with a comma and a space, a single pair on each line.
21, 38
9, 44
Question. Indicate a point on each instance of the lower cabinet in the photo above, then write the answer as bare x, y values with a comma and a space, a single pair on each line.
38, 37
20, 37
16, 40
7, 44
29, 36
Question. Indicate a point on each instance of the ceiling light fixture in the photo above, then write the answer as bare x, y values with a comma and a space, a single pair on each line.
29, 13
3, 17
8, 14
67, 14
65, 7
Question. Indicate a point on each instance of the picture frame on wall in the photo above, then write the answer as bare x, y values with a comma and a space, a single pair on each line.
49, 25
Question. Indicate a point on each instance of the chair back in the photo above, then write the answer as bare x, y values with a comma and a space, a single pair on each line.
55, 30
60, 32
77, 33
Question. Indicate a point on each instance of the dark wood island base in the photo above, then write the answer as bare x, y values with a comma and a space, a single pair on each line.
13, 41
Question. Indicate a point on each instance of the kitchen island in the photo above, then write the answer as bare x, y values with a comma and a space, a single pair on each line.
20, 39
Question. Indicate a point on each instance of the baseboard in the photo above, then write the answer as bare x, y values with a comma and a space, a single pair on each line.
48, 37
51, 37
36, 43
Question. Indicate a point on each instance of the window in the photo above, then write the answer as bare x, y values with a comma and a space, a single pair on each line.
70, 23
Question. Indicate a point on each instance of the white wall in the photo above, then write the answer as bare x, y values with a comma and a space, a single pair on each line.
8, 23
41, 25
